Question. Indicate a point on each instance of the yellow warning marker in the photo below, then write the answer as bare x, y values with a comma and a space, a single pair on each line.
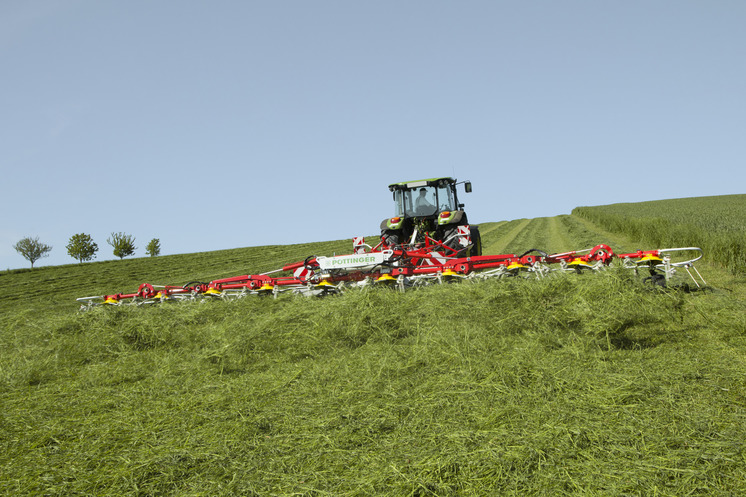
267, 288
450, 275
516, 266
386, 278
111, 301
650, 259
579, 263
325, 287
212, 291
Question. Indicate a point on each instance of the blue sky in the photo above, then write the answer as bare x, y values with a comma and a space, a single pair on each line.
222, 124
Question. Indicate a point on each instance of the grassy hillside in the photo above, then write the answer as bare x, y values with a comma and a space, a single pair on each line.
716, 224
575, 384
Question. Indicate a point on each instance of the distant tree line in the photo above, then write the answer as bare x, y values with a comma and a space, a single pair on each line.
82, 248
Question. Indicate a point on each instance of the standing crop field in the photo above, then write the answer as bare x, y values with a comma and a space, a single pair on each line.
716, 224
574, 384
722, 213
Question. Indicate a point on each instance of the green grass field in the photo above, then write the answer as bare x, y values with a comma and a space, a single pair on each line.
592, 384
716, 224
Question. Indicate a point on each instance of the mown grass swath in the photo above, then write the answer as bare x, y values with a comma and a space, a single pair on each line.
590, 384
715, 224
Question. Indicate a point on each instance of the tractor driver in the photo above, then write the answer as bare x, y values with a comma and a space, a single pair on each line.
421, 205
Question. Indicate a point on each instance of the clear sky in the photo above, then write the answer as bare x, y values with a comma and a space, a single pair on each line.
223, 124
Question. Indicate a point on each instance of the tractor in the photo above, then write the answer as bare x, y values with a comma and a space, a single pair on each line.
430, 208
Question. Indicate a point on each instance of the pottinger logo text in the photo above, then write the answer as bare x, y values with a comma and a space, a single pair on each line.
348, 261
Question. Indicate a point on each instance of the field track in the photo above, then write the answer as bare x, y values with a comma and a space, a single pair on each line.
550, 234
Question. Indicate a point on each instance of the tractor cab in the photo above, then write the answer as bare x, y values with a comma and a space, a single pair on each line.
427, 206
426, 198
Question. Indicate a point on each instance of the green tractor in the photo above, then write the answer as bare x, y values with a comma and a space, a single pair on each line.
430, 208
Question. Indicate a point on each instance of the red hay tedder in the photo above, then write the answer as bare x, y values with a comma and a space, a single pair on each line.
427, 241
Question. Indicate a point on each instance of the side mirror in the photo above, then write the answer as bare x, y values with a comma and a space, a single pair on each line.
467, 186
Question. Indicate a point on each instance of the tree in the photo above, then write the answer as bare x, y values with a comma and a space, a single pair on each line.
123, 244
82, 247
154, 247
32, 249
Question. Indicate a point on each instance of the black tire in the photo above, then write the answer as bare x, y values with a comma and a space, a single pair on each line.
390, 237
449, 238
476, 242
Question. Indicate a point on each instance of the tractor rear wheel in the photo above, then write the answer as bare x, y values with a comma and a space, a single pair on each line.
450, 238
391, 237
476, 242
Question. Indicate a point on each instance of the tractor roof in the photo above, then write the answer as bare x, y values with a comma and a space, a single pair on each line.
420, 182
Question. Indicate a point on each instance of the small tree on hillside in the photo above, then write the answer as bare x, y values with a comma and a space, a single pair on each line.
123, 244
82, 247
32, 249
154, 247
